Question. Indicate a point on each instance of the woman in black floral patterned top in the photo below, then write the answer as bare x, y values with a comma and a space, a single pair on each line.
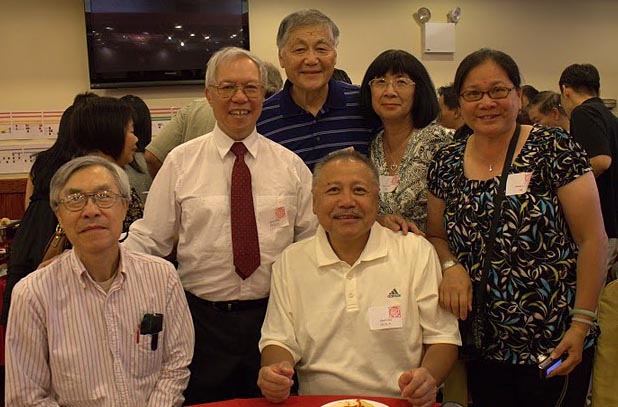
548, 267
398, 90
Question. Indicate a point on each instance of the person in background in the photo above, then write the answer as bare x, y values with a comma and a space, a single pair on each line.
99, 325
38, 224
142, 128
548, 265
314, 114
596, 128
103, 126
527, 93
274, 83
397, 90
193, 120
450, 113
235, 200
545, 109
376, 327
341, 75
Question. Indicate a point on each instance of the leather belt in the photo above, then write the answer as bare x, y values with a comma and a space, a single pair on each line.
232, 306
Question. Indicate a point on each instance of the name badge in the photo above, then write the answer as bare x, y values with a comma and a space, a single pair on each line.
279, 217
388, 183
385, 317
517, 184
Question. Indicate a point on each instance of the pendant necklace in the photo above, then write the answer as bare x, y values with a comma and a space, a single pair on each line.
491, 167
387, 152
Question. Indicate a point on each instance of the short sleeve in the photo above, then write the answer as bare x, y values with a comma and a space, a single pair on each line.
568, 161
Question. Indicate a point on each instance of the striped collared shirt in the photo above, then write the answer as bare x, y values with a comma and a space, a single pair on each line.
71, 343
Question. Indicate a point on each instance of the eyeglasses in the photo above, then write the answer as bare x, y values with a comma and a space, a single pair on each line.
399, 84
499, 92
227, 89
102, 199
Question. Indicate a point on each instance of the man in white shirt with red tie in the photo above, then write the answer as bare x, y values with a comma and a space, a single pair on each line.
225, 252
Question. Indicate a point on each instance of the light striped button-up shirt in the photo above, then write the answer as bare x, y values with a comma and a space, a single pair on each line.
70, 343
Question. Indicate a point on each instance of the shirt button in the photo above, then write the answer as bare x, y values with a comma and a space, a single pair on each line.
349, 277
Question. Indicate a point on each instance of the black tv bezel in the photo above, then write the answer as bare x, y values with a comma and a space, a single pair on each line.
96, 83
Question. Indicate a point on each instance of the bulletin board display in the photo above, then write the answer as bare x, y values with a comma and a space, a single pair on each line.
23, 134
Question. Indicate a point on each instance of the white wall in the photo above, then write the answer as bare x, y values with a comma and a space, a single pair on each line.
43, 61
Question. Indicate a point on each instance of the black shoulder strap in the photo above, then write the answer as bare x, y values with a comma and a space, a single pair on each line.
480, 293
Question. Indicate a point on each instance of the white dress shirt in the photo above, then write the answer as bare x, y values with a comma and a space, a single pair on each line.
71, 343
190, 197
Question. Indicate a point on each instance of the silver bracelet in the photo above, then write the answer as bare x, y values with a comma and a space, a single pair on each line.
583, 321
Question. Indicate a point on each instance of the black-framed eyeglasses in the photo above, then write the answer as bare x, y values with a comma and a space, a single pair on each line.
102, 199
399, 84
227, 89
499, 92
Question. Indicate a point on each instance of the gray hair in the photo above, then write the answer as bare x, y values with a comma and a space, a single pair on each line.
303, 18
228, 54
343, 155
61, 177
275, 81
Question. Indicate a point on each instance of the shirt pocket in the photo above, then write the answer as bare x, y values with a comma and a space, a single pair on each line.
276, 217
144, 360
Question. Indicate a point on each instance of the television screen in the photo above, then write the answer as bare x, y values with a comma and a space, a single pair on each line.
159, 42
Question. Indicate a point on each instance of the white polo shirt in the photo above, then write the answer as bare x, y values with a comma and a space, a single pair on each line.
355, 329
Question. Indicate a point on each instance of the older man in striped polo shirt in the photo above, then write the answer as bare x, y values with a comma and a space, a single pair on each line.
314, 114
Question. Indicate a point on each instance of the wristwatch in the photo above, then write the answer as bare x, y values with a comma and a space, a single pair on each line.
448, 264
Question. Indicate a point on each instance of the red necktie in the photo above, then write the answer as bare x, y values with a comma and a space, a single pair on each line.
244, 229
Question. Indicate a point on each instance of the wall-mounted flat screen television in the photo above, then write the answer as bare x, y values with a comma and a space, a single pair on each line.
159, 42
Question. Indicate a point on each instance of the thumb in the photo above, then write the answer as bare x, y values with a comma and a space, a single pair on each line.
285, 368
559, 350
404, 379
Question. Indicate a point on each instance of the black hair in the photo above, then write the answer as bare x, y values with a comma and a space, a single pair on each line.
341, 75
142, 122
449, 96
583, 78
529, 91
99, 124
63, 150
425, 104
479, 57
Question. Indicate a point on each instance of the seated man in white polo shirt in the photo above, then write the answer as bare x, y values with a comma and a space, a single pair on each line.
355, 308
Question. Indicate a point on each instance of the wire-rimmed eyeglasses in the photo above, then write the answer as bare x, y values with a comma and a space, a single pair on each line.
227, 89
399, 84
78, 201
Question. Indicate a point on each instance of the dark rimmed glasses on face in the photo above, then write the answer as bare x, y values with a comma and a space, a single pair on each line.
227, 89
499, 92
78, 201
399, 84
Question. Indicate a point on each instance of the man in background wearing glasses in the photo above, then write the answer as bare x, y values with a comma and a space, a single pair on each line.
227, 240
99, 325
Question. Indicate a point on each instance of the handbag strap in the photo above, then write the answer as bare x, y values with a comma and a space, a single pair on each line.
480, 293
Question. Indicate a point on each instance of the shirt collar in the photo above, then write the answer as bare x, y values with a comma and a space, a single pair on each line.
374, 249
334, 100
224, 142
79, 269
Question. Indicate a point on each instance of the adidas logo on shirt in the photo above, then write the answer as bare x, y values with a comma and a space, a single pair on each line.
393, 294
